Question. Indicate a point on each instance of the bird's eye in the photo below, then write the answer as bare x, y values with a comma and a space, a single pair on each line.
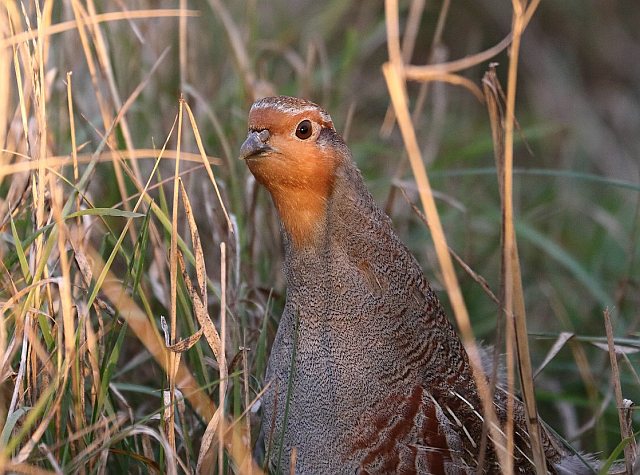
304, 130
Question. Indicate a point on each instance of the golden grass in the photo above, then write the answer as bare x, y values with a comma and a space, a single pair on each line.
78, 338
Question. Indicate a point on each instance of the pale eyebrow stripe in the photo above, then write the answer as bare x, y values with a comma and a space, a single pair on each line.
290, 107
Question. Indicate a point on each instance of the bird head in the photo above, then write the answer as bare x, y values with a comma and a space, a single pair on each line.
293, 150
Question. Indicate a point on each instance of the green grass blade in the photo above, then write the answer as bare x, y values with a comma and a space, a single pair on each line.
24, 265
105, 212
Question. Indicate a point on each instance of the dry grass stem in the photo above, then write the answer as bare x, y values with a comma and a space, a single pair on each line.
626, 432
397, 94
513, 293
20, 38
238, 48
57, 162
222, 387
393, 72
149, 336
207, 165
420, 73
470, 272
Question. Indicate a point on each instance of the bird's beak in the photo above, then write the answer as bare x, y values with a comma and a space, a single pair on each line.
255, 144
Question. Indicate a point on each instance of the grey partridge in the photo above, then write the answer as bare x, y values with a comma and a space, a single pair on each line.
366, 373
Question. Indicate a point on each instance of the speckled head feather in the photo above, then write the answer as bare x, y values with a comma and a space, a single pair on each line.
292, 106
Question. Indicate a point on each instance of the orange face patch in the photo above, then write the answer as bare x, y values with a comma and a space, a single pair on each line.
298, 173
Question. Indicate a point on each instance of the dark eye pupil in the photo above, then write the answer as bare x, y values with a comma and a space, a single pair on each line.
303, 131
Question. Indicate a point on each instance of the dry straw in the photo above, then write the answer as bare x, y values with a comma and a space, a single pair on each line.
396, 72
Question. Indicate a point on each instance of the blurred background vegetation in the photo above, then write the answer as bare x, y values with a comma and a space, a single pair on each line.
576, 186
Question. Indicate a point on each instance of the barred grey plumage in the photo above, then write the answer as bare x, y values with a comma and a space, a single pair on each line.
381, 381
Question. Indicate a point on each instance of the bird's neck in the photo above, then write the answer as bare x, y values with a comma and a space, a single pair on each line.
302, 214
318, 228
